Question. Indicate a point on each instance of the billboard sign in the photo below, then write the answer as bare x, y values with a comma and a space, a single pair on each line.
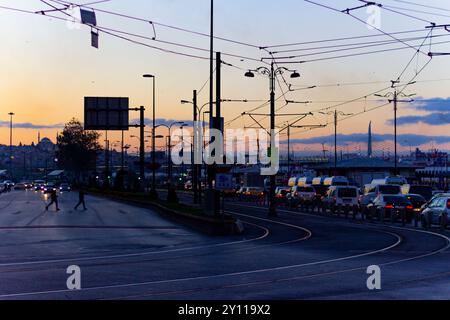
106, 113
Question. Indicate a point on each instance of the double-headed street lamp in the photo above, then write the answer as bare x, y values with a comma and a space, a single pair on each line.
154, 194
336, 115
272, 73
395, 100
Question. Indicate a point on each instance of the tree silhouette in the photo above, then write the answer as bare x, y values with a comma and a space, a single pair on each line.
77, 148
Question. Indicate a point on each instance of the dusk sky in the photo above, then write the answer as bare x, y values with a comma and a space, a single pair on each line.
48, 66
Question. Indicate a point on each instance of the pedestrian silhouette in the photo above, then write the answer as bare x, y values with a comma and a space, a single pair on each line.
54, 200
81, 201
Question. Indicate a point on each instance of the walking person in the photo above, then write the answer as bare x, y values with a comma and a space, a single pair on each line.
81, 196
54, 200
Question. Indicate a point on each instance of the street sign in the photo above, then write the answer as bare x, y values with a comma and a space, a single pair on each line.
224, 181
105, 113
88, 17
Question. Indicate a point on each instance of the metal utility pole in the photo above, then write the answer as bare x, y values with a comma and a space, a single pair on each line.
272, 204
211, 84
142, 146
395, 131
336, 115
194, 146
11, 114
335, 140
289, 149
395, 100
153, 191
154, 142
106, 182
122, 156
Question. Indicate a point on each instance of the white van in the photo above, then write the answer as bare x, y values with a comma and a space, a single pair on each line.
342, 198
336, 181
304, 182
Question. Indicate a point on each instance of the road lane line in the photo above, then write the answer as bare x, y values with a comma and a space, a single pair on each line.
233, 274
265, 235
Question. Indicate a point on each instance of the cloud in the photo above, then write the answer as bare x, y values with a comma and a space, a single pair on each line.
432, 119
438, 113
28, 125
403, 139
432, 105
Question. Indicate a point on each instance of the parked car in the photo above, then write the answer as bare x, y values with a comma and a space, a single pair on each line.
64, 187
188, 185
437, 210
254, 192
8, 184
28, 185
20, 186
364, 201
392, 206
49, 187
281, 194
38, 185
301, 195
417, 201
342, 198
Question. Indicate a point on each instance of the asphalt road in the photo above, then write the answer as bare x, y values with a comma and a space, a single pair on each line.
131, 253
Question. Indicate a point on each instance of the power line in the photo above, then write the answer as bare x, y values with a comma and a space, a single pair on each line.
356, 48
368, 43
421, 5
360, 20
342, 39
157, 23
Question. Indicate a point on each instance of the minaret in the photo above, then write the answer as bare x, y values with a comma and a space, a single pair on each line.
39, 137
369, 144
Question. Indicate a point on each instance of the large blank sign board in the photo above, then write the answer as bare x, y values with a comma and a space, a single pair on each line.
106, 113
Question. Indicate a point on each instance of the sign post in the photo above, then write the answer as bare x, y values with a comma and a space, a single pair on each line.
112, 114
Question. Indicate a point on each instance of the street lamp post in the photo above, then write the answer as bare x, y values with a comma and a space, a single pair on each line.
272, 73
153, 192
11, 114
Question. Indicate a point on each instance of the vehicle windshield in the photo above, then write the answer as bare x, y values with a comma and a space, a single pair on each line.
389, 189
347, 193
396, 200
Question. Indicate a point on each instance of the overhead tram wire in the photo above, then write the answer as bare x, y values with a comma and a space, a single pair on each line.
379, 42
418, 11
117, 33
345, 49
63, 2
360, 20
421, 5
359, 54
342, 39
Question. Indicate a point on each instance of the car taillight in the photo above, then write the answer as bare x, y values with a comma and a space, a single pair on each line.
409, 207
389, 206
448, 204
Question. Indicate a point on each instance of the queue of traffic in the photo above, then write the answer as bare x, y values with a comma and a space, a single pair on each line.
391, 198
37, 186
